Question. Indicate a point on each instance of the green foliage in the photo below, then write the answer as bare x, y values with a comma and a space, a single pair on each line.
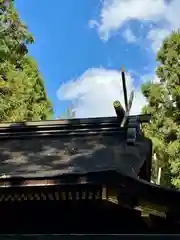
164, 104
22, 92
69, 113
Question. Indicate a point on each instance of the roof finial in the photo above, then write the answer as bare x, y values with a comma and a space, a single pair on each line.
122, 68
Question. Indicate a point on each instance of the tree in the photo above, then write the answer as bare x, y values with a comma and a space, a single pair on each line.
22, 93
164, 104
69, 113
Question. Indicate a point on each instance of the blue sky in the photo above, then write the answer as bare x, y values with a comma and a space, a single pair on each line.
88, 41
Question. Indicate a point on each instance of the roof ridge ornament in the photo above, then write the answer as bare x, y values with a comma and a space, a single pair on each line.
123, 115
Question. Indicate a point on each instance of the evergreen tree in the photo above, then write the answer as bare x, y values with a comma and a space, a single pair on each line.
22, 93
164, 105
69, 113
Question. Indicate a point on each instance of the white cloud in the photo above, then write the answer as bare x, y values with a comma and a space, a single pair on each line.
93, 24
115, 13
164, 14
152, 77
129, 36
95, 92
157, 35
